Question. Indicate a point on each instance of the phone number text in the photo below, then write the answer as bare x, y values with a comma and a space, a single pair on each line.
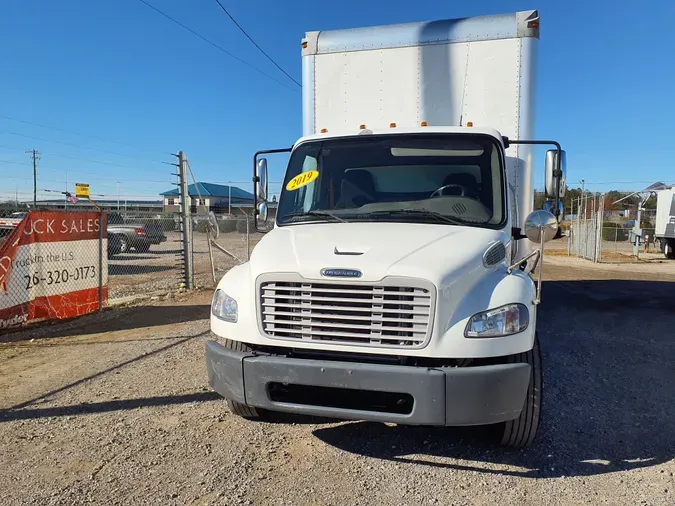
56, 277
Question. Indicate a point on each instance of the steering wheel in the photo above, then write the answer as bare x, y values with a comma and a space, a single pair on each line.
440, 190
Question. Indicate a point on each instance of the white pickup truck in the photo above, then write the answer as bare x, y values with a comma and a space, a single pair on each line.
397, 282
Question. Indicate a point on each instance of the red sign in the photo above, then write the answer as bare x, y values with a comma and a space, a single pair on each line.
49, 267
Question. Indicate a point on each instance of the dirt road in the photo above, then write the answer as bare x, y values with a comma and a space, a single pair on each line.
115, 409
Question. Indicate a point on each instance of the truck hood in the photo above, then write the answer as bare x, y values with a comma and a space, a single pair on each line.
428, 251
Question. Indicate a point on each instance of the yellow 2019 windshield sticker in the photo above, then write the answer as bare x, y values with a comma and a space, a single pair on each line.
302, 179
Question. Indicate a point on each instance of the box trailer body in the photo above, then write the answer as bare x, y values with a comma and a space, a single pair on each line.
665, 221
396, 282
480, 71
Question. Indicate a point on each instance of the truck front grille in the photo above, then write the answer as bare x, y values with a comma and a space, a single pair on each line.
380, 315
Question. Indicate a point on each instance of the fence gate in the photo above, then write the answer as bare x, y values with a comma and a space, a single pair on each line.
586, 233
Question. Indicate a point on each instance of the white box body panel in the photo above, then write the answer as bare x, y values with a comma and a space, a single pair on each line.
445, 73
665, 214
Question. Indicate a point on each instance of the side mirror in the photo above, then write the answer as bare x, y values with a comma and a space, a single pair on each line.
540, 226
263, 182
552, 188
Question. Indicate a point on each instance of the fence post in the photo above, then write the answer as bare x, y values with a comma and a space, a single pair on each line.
100, 261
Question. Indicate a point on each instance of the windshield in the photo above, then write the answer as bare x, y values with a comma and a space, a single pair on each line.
434, 178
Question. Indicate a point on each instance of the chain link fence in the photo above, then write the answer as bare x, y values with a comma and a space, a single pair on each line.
144, 253
601, 234
140, 256
52, 265
232, 245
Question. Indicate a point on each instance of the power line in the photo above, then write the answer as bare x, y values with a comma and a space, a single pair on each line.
88, 160
80, 134
255, 44
88, 177
81, 147
220, 48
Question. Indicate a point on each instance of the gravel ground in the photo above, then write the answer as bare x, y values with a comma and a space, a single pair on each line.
115, 409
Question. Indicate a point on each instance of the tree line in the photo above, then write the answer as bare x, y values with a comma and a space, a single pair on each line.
572, 196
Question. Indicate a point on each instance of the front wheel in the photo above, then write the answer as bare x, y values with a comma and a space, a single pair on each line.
521, 432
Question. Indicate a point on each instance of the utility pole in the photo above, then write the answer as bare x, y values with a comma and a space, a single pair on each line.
186, 220
36, 156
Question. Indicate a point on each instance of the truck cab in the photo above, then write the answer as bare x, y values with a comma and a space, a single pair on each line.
397, 282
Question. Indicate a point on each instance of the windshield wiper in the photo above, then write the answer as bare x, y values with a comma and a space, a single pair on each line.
420, 212
320, 214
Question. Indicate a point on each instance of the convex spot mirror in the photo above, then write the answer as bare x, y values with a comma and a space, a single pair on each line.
540, 223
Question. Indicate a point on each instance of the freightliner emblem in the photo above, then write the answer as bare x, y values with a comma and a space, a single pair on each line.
341, 273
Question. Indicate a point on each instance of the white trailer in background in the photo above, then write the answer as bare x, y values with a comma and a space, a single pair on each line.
665, 222
395, 285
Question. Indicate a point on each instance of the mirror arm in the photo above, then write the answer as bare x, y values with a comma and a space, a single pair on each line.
557, 173
540, 261
517, 234
523, 260
539, 253
256, 178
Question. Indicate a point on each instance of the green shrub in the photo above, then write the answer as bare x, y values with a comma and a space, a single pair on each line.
202, 226
227, 225
614, 232
167, 224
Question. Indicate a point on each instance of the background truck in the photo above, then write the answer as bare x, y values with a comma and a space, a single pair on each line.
665, 222
396, 283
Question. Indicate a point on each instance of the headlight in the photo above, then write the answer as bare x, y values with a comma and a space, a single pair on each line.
224, 307
502, 321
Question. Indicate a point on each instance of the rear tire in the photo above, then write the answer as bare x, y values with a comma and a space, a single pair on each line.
521, 432
124, 244
239, 408
669, 248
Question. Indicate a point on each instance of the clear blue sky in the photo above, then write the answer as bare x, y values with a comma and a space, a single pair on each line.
119, 71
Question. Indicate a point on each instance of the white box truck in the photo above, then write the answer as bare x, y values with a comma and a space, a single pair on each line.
397, 283
665, 221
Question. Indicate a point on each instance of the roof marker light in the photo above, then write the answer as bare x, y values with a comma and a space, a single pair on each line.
424, 123
392, 125
324, 130
469, 123
362, 127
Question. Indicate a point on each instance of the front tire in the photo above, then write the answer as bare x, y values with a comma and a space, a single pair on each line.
239, 408
521, 432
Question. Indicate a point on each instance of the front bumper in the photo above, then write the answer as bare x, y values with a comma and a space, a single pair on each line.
440, 396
